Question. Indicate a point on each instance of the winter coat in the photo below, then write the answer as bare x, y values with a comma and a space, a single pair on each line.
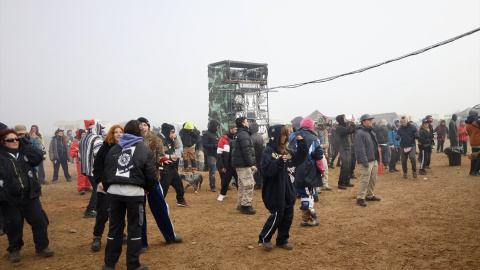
407, 135
99, 163
58, 149
441, 131
169, 147
307, 173
189, 136
19, 182
278, 191
366, 146
257, 140
243, 152
223, 151
88, 149
343, 131
210, 139
462, 133
452, 131
155, 144
130, 162
473, 129
425, 137
381, 133
392, 133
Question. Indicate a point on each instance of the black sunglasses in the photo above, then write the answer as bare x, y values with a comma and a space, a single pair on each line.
11, 140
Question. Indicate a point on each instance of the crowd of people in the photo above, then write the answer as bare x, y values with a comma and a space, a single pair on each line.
133, 164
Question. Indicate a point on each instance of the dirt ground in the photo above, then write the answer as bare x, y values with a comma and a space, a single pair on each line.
424, 223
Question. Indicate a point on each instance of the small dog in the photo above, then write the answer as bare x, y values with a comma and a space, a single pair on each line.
195, 180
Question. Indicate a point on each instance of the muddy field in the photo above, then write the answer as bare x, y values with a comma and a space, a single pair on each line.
431, 223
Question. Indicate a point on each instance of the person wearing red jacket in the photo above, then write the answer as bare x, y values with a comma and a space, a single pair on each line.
83, 184
463, 136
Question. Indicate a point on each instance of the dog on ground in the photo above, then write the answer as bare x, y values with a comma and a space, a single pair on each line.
195, 180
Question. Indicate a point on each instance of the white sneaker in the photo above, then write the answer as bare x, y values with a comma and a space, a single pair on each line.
220, 197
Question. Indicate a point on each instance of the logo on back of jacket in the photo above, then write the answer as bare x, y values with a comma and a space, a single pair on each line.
125, 162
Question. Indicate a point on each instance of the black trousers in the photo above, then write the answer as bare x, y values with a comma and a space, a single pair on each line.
346, 168
353, 162
440, 145
464, 146
410, 155
475, 163
102, 214
92, 203
171, 178
56, 167
281, 220
226, 178
395, 157
113, 249
14, 216
424, 155
41, 173
453, 142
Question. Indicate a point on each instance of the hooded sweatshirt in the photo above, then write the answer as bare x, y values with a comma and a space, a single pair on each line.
343, 131
210, 139
392, 133
278, 189
89, 146
189, 135
309, 173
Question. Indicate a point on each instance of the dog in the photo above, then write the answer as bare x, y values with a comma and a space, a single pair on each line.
195, 180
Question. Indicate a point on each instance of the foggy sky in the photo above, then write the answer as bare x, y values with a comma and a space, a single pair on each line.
119, 60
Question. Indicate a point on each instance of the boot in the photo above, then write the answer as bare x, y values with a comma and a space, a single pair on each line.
307, 219
96, 244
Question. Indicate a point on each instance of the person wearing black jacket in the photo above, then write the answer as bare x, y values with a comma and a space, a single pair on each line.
407, 133
278, 192
210, 143
258, 145
343, 131
381, 133
189, 135
453, 131
442, 132
424, 145
129, 173
112, 138
243, 160
19, 194
224, 163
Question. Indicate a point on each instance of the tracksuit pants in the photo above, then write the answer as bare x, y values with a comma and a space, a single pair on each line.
227, 178
281, 220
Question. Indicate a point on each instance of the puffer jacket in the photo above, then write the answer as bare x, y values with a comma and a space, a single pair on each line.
307, 173
425, 137
18, 179
243, 152
257, 140
366, 146
210, 139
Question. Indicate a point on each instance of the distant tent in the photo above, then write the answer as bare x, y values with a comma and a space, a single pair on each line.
315, 115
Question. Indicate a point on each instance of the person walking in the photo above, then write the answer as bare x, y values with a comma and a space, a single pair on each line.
58, 153
367, 155
407, 133
243, 160
20, 196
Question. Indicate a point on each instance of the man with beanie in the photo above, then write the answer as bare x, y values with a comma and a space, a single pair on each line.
309, 173
210, 144
87, 151
257, 140
343, 131
243, 160
189, 135
407, 133
224, 163
367, 155
453, 131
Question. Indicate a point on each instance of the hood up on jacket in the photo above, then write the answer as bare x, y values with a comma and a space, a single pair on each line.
307, 123
188, 125
254, 128
454, 117
274, 136
166, 128
340, 120
212, 126
296, 122
78, 134
128, 140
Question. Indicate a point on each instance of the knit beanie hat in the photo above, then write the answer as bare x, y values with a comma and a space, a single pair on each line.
307, 123
144, 120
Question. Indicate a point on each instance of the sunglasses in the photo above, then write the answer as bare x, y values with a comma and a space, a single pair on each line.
13, 139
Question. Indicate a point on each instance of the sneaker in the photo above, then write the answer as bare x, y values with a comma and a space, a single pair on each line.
286, 246
220, 197
373, 199
361, 202
315, 198
81, 192
267, 245
349, 184
69, 179
405, 175
177, 239
342, 187
46, 252
142, 267
247, 210
90, 214
183, 203
212, 189
143, 250
414, 174
54, 181
44, 182
104, 267
96, 244
15, 256
257, 187
422, 172
474, 174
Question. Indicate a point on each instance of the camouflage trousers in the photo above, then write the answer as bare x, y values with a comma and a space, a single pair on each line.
245, 186
189, 157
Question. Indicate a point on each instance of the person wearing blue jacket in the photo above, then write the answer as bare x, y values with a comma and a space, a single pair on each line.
278, 192
407, 133
394, 145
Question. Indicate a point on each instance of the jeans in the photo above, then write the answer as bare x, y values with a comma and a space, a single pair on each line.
212, 167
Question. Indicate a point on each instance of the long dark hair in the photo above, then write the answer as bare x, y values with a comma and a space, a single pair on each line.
36, 132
